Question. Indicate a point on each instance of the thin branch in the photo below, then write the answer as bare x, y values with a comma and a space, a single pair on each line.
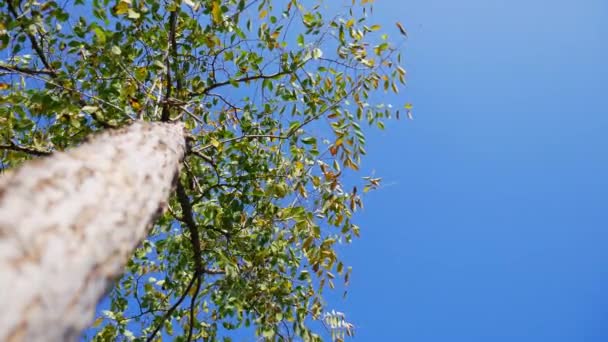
192, 302
172, 309
229, 104
192, 115
49, 69
92, 97
143, 313
243, 137
213, 271
32, 39
165, 116
204, 157
292, 131
188, 218
243, 79
81, 102
24, 70
173, 41
209, 161
24, 149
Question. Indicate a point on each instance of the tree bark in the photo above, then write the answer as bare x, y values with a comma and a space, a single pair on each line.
70, 222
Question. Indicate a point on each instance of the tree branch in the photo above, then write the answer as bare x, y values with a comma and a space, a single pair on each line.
172, 309
23, 70
241, 80
32, 39
292, 131
24, 149
192, 302
165, 116
81, 102
188, 217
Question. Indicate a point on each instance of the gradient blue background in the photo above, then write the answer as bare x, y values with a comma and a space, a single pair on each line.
492, 224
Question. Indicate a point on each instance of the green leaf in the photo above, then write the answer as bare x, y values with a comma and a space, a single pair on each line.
309, 140
90, 109
317, 53
121, 8
216, 11
132, 14
100, 34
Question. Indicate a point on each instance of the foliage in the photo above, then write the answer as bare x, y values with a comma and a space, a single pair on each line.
273, 96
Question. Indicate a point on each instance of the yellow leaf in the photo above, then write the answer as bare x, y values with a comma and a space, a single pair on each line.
215, 143
134, 103
140, 73
302, 191
97, 322
263, 14
307, 243
121, 8
4, 86
216, 11
352, 165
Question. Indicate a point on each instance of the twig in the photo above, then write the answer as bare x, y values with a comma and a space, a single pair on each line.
243, 79
165, 115
188, 217
92, 97
82, 103
192, 115
32, 39
24, 70
172, 309
29, 150
192, 302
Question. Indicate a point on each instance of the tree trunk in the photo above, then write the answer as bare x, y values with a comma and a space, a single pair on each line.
70, 222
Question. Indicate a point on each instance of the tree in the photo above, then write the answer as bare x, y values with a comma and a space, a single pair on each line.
271, 96
60, 246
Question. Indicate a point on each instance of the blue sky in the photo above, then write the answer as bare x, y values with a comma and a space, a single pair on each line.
492, 221
492, 225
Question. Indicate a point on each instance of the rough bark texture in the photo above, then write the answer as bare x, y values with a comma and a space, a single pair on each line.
69, 222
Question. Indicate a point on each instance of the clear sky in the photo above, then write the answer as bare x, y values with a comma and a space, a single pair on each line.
493, 222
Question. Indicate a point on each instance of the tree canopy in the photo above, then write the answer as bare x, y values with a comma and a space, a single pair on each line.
273, 96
